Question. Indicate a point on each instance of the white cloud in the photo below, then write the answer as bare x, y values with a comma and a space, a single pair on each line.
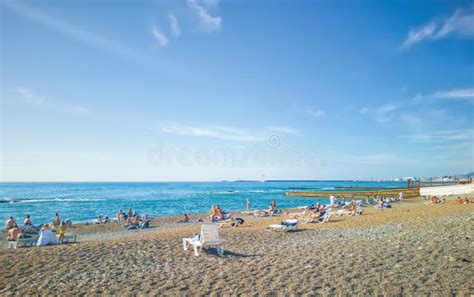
442, 136
462, 94
72, 31
159, 36
225, 132
283, 130
315, 112
208, 22
174, 25
29, 97
461, 23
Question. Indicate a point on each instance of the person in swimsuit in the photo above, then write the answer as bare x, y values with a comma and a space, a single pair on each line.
185, 219
57, 221
62, 231
13, 234
10, 223
119, 215
27, 221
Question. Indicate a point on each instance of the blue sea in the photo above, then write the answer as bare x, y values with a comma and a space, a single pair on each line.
82, 202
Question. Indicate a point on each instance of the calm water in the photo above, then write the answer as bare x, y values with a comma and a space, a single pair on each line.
82, 202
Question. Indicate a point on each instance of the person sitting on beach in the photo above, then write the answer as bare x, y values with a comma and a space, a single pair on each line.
10, 223
27, 221
466, 201
45, 227
271, 209
459, 200
136, 220
119, 215
185, 219
212, 212
13, 234
57, 221
219, 213
434, 200
62, 231
314, 216
129, 221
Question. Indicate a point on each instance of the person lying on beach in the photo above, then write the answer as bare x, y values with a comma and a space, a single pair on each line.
57, 221
185, 219
13, 234
27, 221
62, 231
10, 223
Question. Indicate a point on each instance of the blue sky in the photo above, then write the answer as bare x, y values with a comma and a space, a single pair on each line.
213, 90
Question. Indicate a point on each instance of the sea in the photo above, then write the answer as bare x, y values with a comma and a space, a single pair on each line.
83, 201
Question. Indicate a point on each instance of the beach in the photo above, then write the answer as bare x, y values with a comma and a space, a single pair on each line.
412, 248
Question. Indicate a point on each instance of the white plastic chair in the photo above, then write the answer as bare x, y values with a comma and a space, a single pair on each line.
209, 236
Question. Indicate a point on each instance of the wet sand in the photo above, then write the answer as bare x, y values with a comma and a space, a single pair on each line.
412, 248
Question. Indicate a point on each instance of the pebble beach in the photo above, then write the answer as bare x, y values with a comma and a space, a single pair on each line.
412, 248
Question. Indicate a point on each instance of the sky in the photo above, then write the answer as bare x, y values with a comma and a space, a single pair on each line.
204, 90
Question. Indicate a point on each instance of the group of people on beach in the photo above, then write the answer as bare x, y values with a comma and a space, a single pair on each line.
16, 231
459, 200
133, 219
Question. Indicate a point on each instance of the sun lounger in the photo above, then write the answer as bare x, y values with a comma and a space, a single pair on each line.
284, 225
70, 238
22, 242
208, 237
324, 219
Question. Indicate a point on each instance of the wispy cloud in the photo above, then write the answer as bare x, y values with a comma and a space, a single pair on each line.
174, 25
72, 31
460, 94
159, 36
225, 132
442, 136
31, 98
315, 112
460, 23
207, 21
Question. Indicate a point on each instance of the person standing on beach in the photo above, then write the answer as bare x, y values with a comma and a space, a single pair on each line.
247, 204
119, 215
57, 221
62, 232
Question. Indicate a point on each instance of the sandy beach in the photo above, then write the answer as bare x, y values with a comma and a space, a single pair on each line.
412, 248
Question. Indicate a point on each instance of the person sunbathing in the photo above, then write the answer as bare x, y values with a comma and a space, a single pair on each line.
129, 221
466, 201
271, 209
136, 220
212, 212
13, 234
62, 232
459, 200
185, 219
57, 221
10, 223
27, 221
434, 200
314, 216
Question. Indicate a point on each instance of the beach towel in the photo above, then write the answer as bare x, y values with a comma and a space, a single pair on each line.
46, 237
